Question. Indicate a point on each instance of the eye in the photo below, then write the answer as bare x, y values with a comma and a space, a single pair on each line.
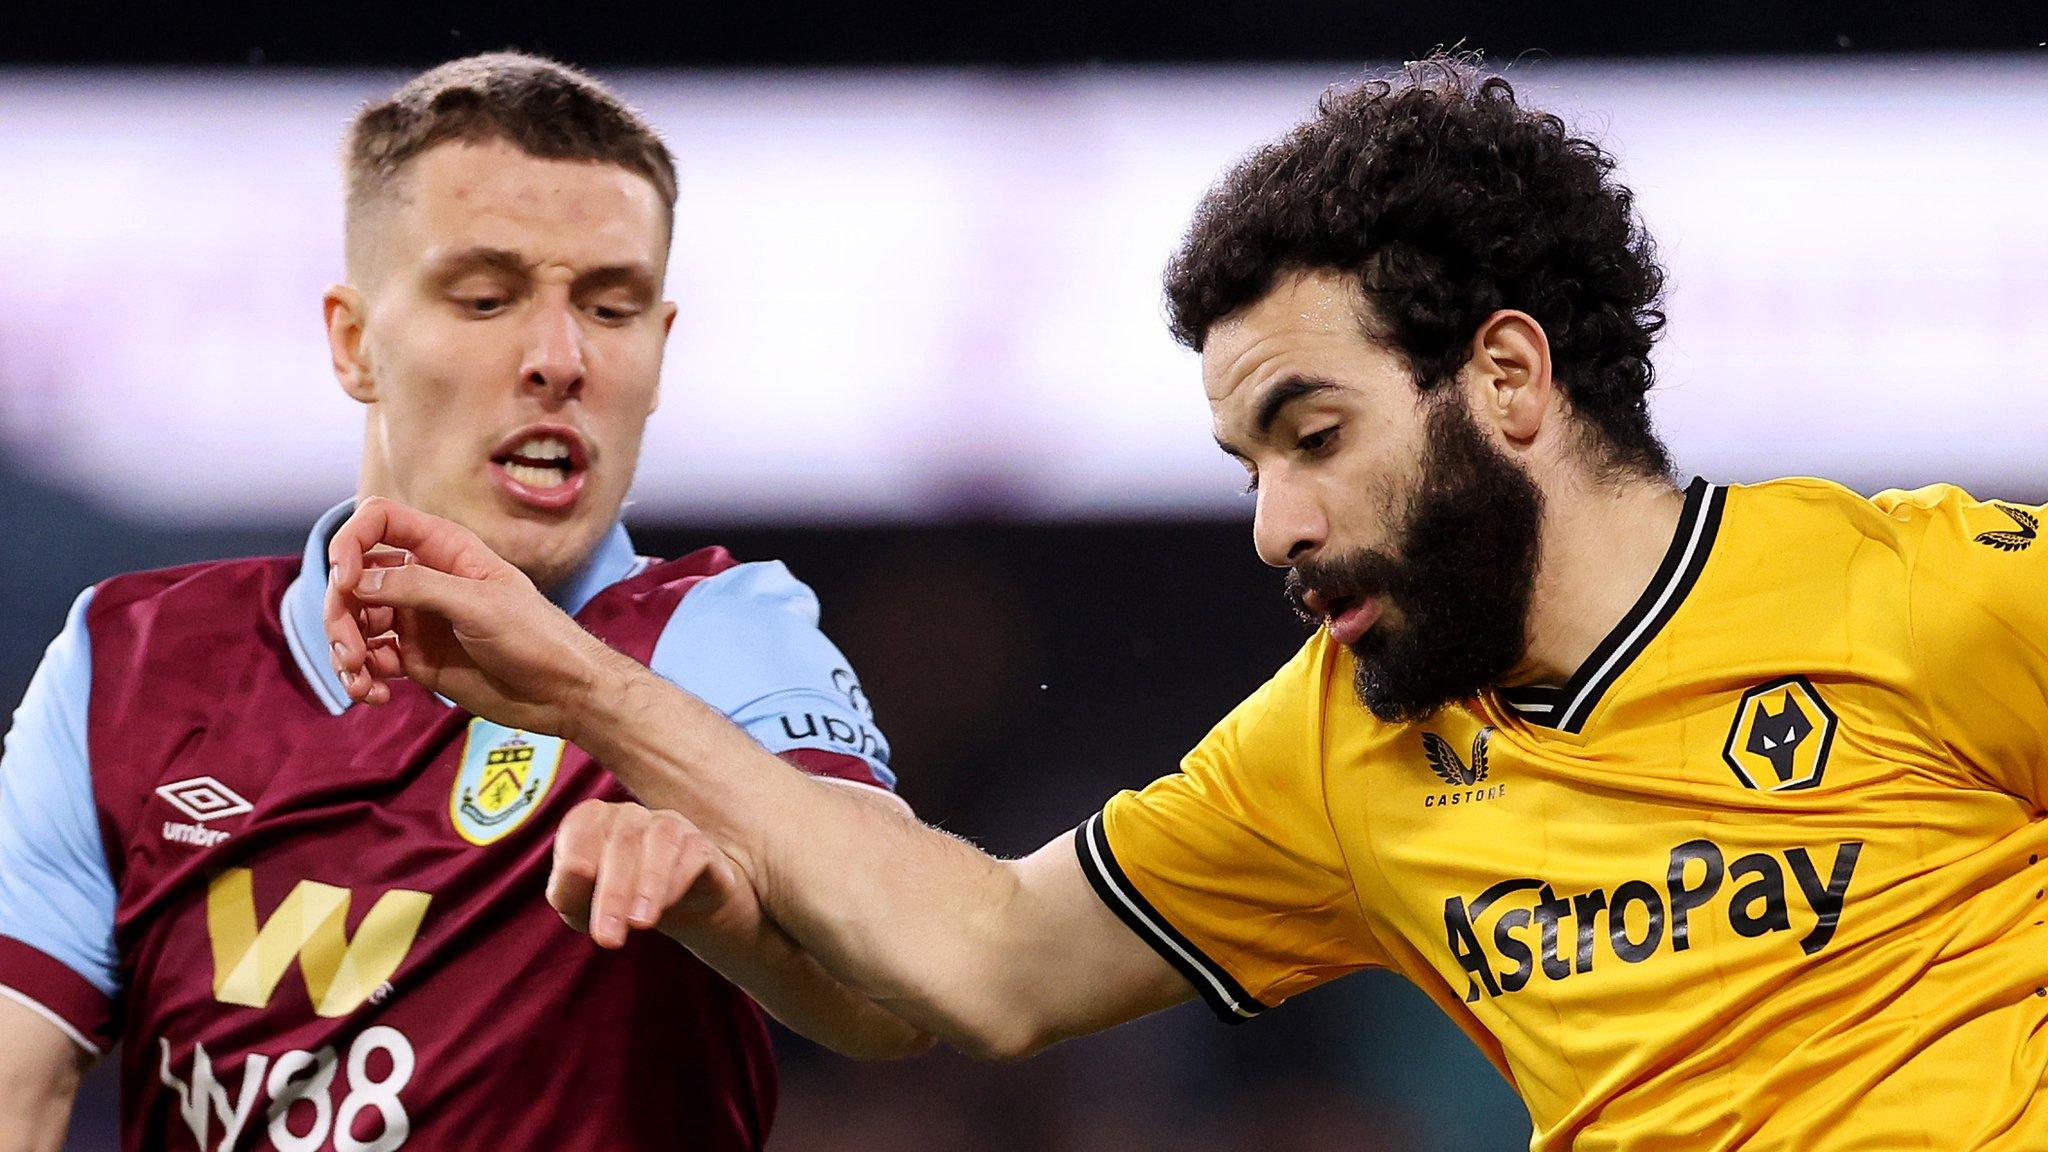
612, 305
1318, 442
481, 306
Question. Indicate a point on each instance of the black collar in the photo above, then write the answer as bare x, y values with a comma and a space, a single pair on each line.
1566, 708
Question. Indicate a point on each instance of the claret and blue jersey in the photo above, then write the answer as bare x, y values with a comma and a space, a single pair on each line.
313, 924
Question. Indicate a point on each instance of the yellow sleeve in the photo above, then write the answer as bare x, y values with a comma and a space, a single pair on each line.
1230, 868
1980, 631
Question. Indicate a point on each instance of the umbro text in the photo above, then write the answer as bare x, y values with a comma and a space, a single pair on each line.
193, 834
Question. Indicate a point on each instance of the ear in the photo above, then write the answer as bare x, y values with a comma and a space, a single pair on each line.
343, 308
1509, 374
668, 324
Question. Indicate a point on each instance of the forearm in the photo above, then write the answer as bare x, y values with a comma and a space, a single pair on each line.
795, 989
905, 915
995, 957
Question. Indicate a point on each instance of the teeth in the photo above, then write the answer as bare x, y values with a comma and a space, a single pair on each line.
535, 477
543, 448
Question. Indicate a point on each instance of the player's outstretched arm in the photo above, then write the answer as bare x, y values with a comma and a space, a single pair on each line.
998, 958
622, 867
39, 1073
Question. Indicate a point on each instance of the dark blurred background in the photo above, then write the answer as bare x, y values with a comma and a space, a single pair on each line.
1056, 33
1027, 654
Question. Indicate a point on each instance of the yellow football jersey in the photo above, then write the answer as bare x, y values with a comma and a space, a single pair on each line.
1766, 873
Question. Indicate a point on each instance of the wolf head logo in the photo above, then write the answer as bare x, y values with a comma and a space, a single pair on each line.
1776, 736
1781, 735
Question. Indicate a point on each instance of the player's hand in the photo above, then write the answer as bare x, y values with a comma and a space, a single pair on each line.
621, 867
413, 595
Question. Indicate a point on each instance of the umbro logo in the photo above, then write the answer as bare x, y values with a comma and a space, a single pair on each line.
202, 798
1466, 778
2012, 541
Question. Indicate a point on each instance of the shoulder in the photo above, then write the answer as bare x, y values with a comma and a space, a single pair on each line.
1804, 533
1936, 527
161, 643
1976, 566
1947, 516
1814, 508
745, 630
1301, 687
1284, 722
214, 595
715, 625
1900, 518
746, 641
762, 591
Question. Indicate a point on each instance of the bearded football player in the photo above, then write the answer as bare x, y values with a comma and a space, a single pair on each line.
1713, 814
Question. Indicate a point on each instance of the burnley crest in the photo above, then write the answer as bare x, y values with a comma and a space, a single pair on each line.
505, 773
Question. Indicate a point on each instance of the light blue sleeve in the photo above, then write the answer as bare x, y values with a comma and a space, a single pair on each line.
746, 642
56, 892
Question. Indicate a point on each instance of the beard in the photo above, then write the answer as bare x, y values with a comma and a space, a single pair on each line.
1457, 581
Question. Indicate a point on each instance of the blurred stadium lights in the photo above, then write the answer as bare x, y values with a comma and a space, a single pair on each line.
917, 295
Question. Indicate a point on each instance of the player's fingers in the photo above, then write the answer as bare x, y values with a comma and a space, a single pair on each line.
346, 644
352, 629
579, 849
437, 543
710, 880
385, 662
618, 877
453, 598
661, 864
385, 556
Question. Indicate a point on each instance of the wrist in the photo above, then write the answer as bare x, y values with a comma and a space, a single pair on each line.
596, 694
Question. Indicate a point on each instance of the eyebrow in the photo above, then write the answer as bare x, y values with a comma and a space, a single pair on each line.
634, 278
1275, 401
455, 265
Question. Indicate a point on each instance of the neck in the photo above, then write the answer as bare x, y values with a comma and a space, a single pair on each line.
550, 578
1602, 544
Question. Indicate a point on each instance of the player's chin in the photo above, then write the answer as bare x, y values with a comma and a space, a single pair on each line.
548, 549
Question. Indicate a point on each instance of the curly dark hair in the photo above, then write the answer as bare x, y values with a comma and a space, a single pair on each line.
1448, 201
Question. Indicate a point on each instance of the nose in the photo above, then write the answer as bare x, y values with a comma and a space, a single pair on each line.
554, 354
1289, 524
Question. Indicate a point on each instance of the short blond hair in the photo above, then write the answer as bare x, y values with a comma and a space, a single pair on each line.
545, 109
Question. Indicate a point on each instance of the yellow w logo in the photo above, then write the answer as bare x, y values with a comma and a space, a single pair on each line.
250, 958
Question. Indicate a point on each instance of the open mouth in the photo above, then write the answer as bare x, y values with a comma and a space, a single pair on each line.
541, 466
1348, 617
1351, 617
1328, 606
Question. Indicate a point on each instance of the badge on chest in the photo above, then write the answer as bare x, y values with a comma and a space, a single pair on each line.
504, 776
